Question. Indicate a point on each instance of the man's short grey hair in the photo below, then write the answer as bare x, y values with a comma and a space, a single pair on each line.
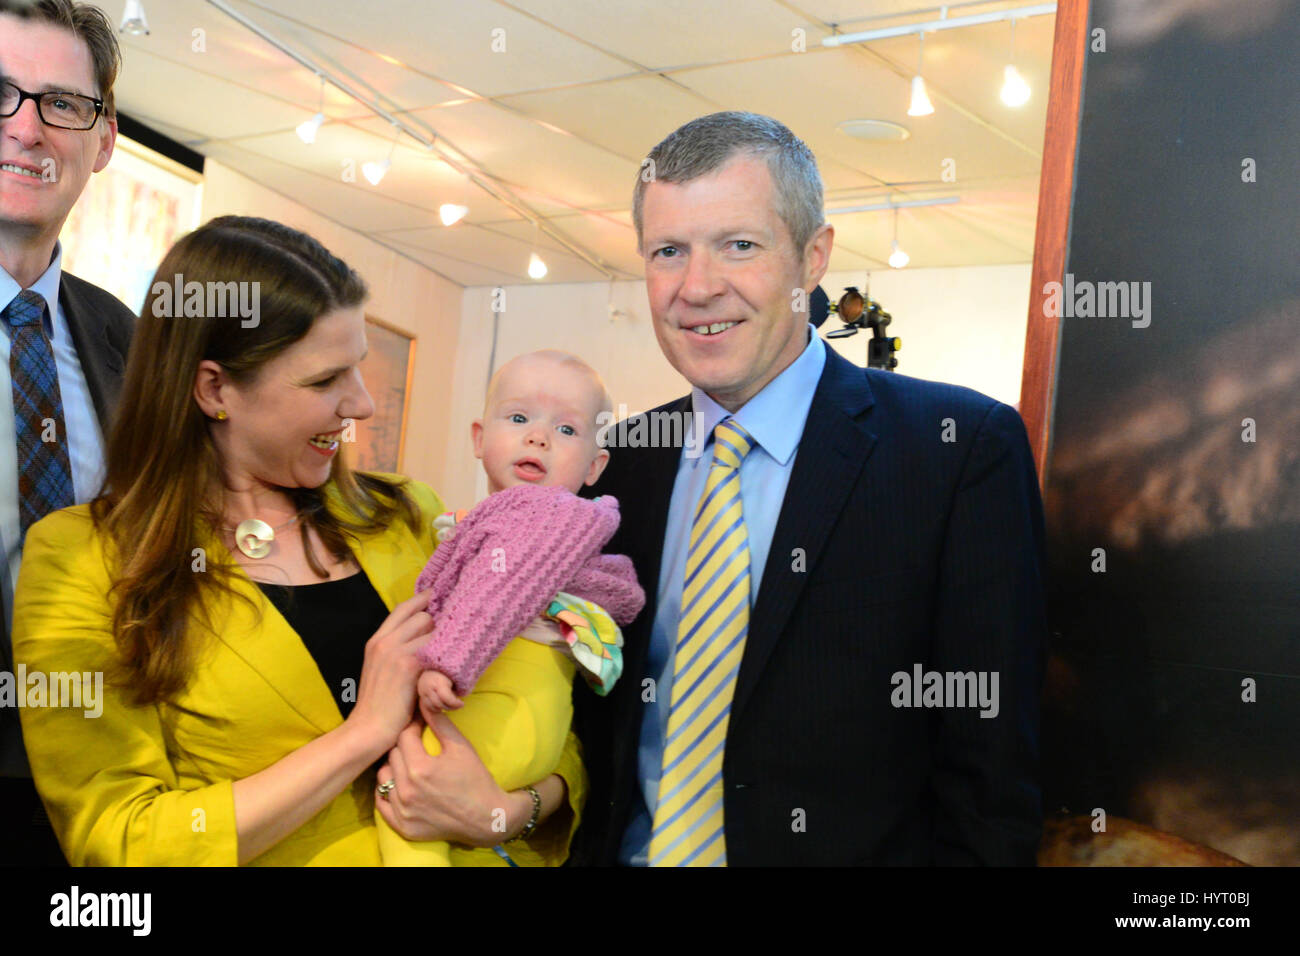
707, 144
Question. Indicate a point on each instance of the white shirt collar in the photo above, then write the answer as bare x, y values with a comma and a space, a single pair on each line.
47, 287
776, 415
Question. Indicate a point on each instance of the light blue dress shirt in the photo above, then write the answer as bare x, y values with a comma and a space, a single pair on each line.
775, 419
85, 440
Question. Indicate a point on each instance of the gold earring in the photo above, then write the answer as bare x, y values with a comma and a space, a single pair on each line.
221, 415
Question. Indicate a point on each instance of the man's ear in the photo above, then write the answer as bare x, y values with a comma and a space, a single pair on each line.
597, 467
817, 255
107, 140
476, 435
209, 381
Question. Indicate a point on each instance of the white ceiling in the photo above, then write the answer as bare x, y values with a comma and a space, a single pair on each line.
560, 120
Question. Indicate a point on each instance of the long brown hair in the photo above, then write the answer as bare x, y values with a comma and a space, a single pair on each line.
162, 464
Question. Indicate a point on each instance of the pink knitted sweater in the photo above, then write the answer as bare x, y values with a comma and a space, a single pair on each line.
508, 558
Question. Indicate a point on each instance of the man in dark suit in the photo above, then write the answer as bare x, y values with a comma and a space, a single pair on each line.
841, 656
65, 341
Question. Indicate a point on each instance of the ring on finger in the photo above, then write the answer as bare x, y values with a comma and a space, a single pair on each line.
386, 788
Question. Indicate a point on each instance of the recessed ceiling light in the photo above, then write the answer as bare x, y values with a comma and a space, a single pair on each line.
875, 131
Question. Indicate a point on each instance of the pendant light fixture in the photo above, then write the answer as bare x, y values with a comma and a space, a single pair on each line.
452, 213
921, 105
307, 130
134, 22
375, 172
536, 267
1015, 91
897, 257
457, 206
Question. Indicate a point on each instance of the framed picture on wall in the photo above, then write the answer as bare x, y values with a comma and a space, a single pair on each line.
127, 218
381, 439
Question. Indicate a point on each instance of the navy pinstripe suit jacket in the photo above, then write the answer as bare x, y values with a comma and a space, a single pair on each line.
917, 510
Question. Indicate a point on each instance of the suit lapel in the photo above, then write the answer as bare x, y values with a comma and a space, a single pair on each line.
648, 488
653, 480
101, 362
832, 452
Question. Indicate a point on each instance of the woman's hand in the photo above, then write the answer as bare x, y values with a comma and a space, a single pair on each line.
386, 692
450, 797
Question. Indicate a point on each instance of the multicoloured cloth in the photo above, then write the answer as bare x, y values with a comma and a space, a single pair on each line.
590, 637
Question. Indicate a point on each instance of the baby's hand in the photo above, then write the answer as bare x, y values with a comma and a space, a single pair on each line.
544, 631
445, 526
436, 692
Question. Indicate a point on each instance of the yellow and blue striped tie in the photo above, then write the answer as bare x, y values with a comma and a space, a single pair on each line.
688, 824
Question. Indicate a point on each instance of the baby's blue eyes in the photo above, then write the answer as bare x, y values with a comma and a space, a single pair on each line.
519, 418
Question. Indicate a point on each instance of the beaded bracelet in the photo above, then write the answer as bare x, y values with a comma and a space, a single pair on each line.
531, 825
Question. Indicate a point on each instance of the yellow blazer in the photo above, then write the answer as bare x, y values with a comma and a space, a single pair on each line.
152, 785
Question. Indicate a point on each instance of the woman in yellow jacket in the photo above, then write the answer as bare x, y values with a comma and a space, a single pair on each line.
245, 598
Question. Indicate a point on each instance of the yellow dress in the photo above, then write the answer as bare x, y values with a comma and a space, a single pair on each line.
517, 717
152, 785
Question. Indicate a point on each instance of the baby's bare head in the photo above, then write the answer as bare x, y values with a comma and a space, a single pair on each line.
569, 373
540, 422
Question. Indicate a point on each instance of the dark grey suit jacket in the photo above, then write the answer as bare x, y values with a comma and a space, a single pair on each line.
101, 329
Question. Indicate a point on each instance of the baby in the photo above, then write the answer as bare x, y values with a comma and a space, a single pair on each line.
531, 549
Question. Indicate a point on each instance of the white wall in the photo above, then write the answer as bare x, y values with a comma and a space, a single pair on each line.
958, 325
403, 293
965, 326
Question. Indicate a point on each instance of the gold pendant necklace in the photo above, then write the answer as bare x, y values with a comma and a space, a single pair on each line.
254, 536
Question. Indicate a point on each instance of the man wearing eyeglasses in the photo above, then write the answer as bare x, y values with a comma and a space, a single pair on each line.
63, 342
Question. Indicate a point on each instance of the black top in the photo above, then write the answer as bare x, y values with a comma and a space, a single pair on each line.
334, 620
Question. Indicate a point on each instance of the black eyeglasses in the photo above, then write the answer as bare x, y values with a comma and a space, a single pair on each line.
60, 110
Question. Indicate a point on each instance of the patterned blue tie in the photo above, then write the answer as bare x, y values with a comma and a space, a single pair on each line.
44, 471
